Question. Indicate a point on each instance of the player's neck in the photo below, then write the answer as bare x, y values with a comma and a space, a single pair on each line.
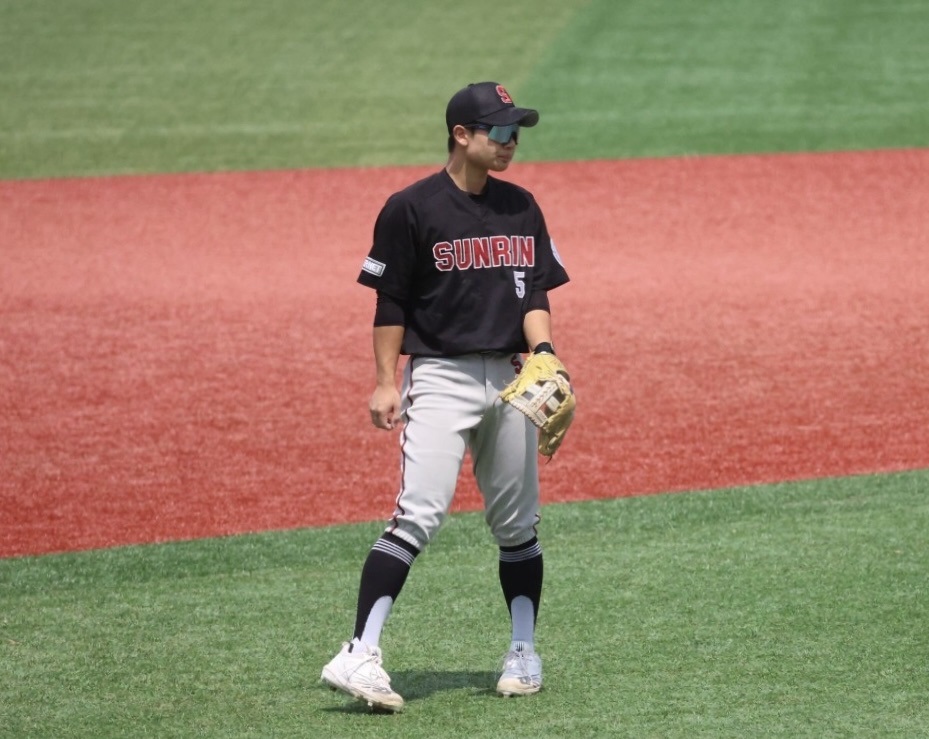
471, 179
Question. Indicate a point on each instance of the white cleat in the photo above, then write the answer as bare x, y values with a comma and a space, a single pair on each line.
357, 670
522, 674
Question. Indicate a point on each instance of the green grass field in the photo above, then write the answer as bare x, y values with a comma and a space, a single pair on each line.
787, 610
101, 86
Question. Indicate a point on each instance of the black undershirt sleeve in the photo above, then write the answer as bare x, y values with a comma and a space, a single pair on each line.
538, 300
389, 311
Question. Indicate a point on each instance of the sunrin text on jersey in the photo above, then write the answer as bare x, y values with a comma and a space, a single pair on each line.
484, 252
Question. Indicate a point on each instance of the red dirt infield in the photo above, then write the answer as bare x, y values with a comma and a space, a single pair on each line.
188, 356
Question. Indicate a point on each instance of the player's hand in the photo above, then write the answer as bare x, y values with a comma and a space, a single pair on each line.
385, 408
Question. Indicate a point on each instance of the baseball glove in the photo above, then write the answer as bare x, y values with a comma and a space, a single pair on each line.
542, 391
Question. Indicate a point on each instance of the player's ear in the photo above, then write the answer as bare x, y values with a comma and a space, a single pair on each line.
460, 135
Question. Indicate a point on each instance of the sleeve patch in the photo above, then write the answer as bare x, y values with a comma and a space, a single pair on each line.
556, 254
374, 267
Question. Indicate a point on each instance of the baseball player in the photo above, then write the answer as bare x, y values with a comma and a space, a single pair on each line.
462, 263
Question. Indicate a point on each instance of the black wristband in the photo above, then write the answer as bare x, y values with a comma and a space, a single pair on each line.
543, 348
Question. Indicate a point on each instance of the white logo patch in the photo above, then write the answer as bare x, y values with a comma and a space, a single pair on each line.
556, 254
374, 267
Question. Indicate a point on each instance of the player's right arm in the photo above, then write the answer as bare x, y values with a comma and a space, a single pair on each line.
388, 269
385, 401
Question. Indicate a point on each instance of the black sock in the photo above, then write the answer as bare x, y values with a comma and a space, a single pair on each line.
383, 575
521, 573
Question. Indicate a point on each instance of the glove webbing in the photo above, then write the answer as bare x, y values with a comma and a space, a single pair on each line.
539, 402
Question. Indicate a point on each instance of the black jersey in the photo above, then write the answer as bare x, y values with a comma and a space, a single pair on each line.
463, 265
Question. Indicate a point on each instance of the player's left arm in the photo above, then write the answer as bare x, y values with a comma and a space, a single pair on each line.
537, 326
542, 389
537, 323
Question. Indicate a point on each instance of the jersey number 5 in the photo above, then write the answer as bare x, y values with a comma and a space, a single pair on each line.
520, 279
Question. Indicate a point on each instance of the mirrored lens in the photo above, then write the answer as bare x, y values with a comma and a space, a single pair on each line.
503, 134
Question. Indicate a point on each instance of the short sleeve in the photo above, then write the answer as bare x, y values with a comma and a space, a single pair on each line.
390, 264
550, 271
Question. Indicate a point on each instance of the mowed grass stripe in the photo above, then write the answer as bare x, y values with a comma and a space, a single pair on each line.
664, 78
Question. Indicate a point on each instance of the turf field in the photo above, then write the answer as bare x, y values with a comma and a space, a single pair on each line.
787, 610
740, 194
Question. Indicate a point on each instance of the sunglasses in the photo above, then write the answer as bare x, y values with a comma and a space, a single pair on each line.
500, 134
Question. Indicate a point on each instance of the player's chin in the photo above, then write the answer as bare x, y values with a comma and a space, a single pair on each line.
501, 163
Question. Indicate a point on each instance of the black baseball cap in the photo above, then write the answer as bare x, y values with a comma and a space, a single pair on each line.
486, 102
